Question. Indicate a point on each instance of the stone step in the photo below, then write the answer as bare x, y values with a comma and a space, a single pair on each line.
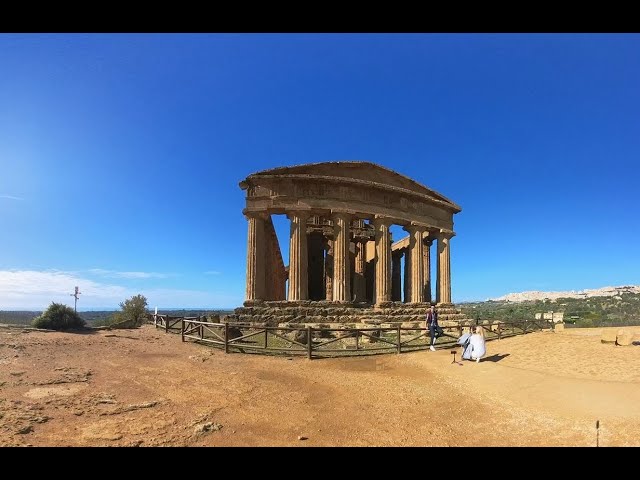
322, 312
338, 311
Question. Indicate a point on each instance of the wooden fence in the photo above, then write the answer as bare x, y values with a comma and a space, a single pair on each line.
168, 323
328, 342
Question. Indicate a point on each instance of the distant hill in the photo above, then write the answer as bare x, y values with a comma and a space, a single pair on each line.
19, 317
24, 317
607, 306
598, 292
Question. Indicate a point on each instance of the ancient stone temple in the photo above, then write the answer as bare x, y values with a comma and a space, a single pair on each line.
343, 264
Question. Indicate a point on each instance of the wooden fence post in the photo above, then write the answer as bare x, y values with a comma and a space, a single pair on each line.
166, 324
182, 328
399, 345
226, 337
266, 334
309, 347
499, 331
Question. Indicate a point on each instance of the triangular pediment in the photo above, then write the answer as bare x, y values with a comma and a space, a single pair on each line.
359, 170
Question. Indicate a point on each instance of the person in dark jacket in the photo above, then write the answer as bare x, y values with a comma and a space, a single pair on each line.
432, 326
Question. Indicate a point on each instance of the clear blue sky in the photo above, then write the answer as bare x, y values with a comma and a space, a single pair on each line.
120, 154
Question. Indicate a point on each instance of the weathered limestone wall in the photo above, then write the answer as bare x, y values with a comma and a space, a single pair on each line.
275, 274
275, 313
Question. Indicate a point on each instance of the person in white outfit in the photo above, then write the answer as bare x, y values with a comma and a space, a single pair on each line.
477, 344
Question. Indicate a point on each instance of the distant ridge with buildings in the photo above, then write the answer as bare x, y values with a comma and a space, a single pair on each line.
587, 293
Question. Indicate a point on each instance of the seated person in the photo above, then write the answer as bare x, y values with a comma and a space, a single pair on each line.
477, 344
464, 342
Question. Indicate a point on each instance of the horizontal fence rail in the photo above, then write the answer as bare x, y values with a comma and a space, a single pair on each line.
317, 342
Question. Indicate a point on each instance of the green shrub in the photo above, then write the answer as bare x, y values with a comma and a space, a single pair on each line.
58, 317
133, 310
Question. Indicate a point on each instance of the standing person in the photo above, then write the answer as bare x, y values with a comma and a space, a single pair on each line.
432, 326
477, 344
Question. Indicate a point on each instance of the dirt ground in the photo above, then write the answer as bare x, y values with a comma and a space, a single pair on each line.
146, 388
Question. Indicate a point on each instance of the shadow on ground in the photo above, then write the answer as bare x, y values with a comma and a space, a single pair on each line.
494, 358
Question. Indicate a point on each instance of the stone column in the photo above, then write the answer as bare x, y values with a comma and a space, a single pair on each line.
328, 269
341, 260
359, 288
383, 260
406, 293
255, 289
396, 284
416, 272
426, 263
298, 277
443, 295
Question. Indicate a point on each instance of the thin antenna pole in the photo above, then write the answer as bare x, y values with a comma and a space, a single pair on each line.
75, 296
597, 433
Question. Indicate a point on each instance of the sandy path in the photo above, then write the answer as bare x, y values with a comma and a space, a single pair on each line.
144, 387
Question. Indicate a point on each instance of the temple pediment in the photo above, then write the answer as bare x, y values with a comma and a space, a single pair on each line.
361, 171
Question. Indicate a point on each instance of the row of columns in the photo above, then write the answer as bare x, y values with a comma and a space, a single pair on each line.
338, 284
412, 264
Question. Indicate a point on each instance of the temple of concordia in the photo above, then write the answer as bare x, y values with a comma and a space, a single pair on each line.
344, 266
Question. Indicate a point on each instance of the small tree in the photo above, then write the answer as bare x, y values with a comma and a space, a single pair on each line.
58, 317
132, 309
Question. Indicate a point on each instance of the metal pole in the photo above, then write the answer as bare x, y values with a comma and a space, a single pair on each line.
75, 302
